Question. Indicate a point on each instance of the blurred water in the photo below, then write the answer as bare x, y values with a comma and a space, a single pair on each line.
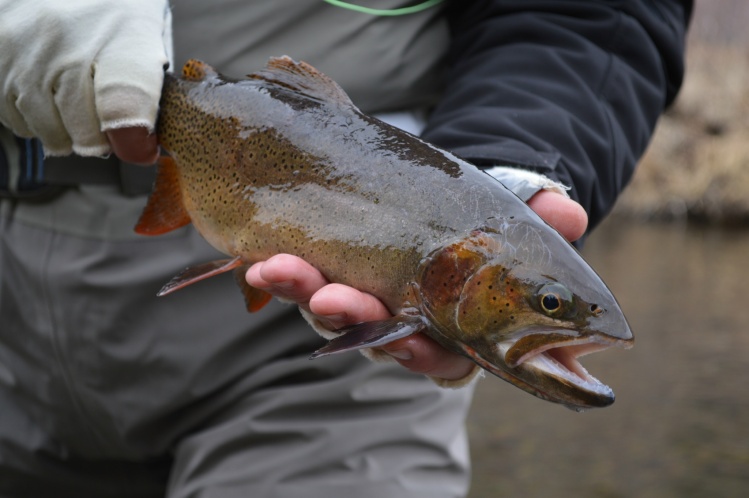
680, 425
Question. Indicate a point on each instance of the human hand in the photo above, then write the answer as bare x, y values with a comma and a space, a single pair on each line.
336, 305
84, 76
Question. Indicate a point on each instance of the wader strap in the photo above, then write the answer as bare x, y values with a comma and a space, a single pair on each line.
132, 179
26, 173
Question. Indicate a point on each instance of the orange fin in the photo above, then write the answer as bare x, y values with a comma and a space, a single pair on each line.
165, 210
302, 78
255, 299
200, 272
195, 70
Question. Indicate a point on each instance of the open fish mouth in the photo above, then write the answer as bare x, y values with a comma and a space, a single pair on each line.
552, 370
560, 361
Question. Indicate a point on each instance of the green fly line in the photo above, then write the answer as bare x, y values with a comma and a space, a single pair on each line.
386, 12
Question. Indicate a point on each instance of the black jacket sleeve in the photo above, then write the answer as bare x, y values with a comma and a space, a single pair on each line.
571, 89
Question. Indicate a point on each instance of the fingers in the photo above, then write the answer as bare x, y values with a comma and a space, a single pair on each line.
20, 112
340, 305
287, 277
421, 354
134, 144
564, 214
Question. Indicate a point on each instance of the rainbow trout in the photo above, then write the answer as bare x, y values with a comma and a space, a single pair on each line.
283, 162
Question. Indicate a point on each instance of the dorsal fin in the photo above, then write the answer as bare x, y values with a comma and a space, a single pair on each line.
302, 78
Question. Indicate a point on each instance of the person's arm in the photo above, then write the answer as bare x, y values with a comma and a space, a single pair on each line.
569, 89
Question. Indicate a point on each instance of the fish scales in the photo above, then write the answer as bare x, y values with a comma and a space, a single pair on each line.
283, 162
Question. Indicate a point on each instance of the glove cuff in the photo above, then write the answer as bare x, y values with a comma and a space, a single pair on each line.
525, 184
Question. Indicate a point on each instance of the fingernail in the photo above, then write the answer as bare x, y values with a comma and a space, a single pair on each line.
338, 317
401, 354
286, 284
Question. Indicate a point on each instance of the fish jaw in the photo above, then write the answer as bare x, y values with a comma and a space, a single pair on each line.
550, 370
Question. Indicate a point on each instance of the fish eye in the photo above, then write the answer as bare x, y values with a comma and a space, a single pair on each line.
550, 302
553, 298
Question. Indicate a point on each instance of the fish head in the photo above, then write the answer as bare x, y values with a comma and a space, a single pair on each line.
523, 304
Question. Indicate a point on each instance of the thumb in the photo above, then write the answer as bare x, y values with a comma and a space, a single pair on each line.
134, 144
564, 214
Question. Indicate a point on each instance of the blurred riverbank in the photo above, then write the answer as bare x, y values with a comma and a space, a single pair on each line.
680, 425
697, 166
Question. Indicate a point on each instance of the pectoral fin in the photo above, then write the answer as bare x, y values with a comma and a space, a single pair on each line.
200, 272
372, 334
165, 210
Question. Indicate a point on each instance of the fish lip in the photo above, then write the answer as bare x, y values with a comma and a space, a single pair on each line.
573, 387
558, 360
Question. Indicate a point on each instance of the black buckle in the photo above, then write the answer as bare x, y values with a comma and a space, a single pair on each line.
30, 182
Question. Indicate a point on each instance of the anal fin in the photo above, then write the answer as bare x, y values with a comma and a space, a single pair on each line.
372, 334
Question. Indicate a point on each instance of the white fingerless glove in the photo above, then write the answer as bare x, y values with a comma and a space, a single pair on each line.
525, 184
73, 69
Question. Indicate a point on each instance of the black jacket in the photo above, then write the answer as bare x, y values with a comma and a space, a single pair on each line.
568, 88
